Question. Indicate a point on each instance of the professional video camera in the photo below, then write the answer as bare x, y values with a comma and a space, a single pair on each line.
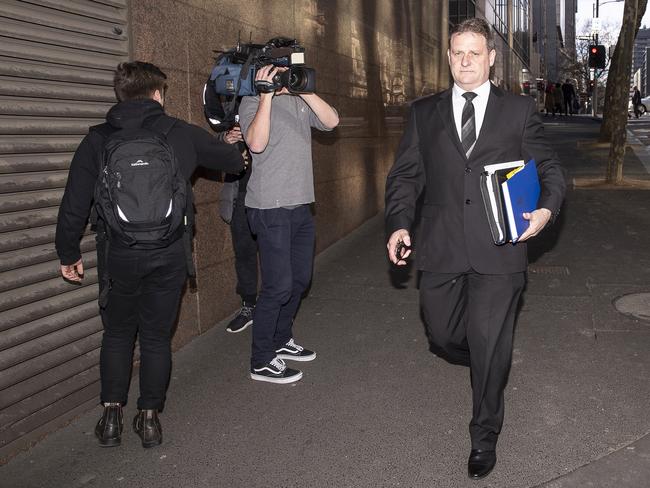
233, 75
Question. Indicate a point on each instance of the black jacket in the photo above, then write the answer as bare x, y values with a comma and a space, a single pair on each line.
192, 146
454, 231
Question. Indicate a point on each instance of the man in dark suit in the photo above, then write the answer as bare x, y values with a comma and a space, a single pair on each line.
470, 287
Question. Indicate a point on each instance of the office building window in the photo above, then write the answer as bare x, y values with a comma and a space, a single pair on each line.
520, 29
501, 17
460, 10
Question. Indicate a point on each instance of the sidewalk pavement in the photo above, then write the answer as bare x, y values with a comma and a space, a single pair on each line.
377, 409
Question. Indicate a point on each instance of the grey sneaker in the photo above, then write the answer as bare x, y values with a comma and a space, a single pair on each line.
242, 320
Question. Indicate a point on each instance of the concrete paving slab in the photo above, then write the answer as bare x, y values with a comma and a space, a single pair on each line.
628, 466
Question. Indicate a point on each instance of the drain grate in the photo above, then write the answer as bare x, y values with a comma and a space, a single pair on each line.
548, 270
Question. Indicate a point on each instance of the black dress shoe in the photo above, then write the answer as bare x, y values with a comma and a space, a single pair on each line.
109, 428
147, 426
480, 463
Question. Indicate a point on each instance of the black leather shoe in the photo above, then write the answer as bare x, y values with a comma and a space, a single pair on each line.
109, 428
147, 426
480, 463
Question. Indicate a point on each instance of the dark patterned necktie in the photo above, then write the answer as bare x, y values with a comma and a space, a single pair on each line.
468, 124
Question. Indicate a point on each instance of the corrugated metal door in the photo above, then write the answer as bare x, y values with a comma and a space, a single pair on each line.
56, 62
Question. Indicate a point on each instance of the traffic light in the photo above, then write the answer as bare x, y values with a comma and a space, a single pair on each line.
597, 56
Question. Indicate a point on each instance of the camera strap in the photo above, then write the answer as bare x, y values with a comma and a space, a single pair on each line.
243, 74
230, 106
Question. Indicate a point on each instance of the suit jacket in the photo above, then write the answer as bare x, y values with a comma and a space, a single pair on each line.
454, 235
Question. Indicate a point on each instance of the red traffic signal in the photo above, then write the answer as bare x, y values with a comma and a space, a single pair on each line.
597, 56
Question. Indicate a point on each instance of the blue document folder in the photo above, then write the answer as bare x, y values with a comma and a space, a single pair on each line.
490, 184
520, 194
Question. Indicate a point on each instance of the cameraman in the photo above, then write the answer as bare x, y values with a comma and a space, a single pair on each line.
277, 129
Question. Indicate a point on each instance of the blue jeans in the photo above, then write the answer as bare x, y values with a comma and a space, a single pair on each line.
285, 240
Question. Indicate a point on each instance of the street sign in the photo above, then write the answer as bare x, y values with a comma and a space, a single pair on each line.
595, 25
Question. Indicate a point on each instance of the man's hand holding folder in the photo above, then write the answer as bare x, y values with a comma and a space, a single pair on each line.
510, 192
537, 220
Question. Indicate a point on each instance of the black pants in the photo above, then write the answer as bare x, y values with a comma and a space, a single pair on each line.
245, 247
470, 320
143, 301
285, 240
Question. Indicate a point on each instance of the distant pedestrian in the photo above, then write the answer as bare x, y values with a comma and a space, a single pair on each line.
549, 98
558, 97
569, 94
636, 102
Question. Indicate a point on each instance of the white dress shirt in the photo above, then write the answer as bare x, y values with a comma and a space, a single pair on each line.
480, 104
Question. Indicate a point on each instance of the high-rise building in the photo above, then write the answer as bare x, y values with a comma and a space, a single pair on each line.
511, 21
554, 37
640, 43
640, 61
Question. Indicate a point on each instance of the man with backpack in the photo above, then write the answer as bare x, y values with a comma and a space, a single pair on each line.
136, 169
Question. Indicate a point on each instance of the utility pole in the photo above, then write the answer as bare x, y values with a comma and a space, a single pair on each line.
594, 93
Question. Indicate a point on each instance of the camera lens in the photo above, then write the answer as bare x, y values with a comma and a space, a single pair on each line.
295, 80
299, 79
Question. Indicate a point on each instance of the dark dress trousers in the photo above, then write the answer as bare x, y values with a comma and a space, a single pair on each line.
470, 287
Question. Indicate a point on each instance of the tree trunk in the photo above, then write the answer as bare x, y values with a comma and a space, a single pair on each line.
614, 126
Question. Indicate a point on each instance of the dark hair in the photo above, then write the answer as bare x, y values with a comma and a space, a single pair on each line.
138, 80
477, 26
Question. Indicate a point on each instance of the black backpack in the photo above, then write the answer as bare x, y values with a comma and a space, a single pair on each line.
141, 199
140, 193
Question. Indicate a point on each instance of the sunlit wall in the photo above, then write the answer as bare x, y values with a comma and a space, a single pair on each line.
371, 58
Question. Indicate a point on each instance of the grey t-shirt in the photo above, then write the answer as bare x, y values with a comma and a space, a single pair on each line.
282, 174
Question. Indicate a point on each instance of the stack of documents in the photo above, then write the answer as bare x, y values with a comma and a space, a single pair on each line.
508, 190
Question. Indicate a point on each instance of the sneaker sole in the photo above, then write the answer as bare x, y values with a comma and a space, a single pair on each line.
241, 329
280, 381
296, 358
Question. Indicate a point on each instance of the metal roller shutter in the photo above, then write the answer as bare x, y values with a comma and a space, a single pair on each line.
56, 67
